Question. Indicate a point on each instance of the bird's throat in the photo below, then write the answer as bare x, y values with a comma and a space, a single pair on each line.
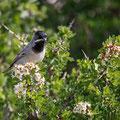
39, 46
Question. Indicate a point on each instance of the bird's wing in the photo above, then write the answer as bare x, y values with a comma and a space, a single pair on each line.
20, 55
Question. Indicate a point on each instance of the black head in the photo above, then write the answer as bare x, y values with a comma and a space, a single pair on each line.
39, 39
40, 36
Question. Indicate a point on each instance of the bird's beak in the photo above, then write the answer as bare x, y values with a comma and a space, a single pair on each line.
45, 39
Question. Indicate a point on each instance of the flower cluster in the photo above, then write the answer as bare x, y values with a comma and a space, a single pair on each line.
25, 69
30, 70
41, 80
20, 89
82, 108
110, 51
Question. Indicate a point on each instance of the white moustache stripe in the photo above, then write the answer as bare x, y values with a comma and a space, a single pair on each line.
38, 40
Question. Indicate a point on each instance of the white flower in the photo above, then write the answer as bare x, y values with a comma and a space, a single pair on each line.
20, 89
83, 111
81, 108
18, 67
110, 44
96, 66
103, 62
36, 68
108, 52
18, 74
37, 76
30, 65
90, 112
26, 71
83, 104
116, 54
88, 104
117, 48
41, 82
23, 43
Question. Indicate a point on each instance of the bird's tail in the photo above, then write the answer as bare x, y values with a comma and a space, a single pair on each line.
7, 70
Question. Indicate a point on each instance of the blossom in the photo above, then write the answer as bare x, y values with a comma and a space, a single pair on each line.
88, 104
23, 43
18, 67
20, 89
117, 48
20, 70
29, 64
82, 108
18, 74
41, 82
111, 50
90, 112
37, 68
26, 71
30, 69
37, 76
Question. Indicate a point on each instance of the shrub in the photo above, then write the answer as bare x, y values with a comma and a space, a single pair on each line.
47, 91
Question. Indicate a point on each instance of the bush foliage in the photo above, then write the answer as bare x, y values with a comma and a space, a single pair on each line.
46, 90
92, 89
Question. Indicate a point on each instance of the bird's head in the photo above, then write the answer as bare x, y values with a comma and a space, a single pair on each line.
40, 36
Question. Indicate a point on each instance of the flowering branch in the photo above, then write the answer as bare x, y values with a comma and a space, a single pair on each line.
22, 72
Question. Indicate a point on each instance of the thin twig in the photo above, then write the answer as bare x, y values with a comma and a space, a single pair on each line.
7, 112
64, 75
26, 37
10, 31
61, 43
71, 23
102, 75
85, 55
6, 115
15, 35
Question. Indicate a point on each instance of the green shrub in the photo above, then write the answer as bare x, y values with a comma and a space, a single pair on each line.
90, 91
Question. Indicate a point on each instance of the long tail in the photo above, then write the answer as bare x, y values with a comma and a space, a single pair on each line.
7, 70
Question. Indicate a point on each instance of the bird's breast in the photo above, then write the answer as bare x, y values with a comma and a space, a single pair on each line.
36, 57
41, 55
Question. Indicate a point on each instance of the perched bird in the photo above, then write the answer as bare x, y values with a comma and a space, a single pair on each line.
33, 52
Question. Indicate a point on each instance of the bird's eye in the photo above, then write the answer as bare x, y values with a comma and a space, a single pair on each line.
39, 37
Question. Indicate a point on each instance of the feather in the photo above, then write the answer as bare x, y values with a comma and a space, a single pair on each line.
6, 70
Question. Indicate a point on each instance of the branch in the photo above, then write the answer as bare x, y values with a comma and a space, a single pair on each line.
6, 115
85, 55
15, 35
71, 23
11, 32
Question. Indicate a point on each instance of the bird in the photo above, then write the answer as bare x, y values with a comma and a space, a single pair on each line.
33, 52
